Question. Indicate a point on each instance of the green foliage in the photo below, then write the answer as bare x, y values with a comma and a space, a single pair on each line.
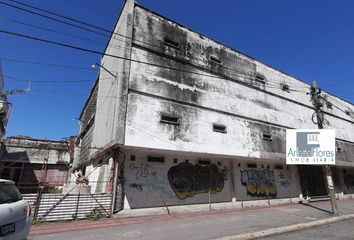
37, 222
95, 214
55, 190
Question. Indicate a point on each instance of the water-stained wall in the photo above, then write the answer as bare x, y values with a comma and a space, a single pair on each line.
206, 92
179, 179
113, 83
155, 178
263, 180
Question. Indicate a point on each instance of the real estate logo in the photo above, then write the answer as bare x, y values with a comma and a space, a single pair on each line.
310, 146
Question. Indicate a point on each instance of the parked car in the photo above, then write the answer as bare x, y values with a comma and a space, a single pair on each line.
15, 213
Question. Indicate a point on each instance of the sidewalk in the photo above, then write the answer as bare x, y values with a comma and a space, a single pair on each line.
224, 222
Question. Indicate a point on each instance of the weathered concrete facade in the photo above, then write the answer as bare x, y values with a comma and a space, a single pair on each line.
186, 116
31, 162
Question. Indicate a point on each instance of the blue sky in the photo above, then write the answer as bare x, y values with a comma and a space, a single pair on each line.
311, 40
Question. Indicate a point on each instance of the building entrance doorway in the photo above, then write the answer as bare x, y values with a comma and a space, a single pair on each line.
312, 181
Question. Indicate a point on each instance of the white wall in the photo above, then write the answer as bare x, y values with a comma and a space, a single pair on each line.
286, 181
112, 91
147, 183
246, 107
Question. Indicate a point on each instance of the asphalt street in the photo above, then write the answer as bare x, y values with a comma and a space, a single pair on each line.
336, 231
209, 225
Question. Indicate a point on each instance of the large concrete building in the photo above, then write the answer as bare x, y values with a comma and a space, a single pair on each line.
174, 115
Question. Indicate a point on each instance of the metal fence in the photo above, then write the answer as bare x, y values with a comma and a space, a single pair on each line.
54, 207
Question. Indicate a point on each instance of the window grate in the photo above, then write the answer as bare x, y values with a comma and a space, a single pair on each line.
260, 78
279, 167
169, 119
285, 87
219, 128
251, 165
267, 136
215, 60
171, 43
329, 105
204, 162
156, 159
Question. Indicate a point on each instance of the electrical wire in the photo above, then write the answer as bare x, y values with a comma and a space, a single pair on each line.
86, 49
49, 81
74, 68
339, 108
99, 28
54, 31
52, 18
102, 29
110, 55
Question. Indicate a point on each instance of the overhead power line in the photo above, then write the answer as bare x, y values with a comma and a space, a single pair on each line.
113, 33
48, 81
54, 31
119, 57
52, 18
109, 33
109, 55
46, 64
60, 15
335, 105
97, 52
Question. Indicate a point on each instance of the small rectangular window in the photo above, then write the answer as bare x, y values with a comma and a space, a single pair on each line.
156, 159
279, 167
347, 112
339, 149
267, 136
215, 60
169, 119
204, 162
219, 128
260, 78
329, 105
251, 165
285, 87
132, 157
171, 43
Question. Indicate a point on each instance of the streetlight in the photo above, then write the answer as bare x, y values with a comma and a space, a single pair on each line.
97, 64
78, 119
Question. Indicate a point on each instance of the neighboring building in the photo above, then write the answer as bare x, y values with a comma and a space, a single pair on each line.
189, 115
33, 162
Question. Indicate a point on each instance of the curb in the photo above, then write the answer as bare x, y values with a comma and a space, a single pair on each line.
286, 229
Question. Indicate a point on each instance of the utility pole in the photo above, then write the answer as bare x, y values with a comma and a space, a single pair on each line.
318, 118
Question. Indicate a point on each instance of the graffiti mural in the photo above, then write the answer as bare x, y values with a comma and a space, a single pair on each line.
284, 182
225, 173
259, 182
186, 179
142, 170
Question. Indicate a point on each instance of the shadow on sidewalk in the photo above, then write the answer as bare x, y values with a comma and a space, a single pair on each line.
321, 209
